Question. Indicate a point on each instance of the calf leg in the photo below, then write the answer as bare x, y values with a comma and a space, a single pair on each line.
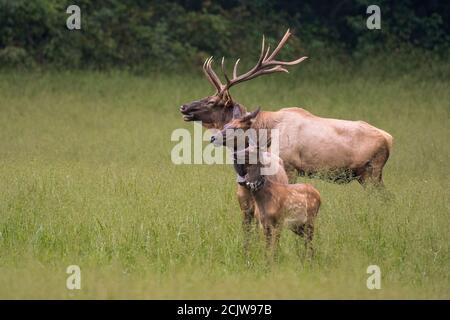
247, 205
309, 233
272, 233
300, 231
272, 230
306, 231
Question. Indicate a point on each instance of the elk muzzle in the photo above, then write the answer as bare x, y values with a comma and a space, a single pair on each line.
218, 139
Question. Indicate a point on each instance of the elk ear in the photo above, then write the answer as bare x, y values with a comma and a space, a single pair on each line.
252, 115
236, 112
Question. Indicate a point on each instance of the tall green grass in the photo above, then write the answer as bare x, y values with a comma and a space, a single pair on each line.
86, 179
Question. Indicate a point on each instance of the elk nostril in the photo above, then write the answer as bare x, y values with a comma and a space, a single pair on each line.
183, 107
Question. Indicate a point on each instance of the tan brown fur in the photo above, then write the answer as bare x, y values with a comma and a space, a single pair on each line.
247, 202
279, 204
308, 144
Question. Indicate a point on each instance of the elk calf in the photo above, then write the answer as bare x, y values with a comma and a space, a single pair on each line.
273, 201
278, 204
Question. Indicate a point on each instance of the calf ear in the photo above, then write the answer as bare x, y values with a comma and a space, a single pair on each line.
252, 115
236, 112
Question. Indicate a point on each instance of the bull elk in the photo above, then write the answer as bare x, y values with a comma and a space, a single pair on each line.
309, 144
338, 149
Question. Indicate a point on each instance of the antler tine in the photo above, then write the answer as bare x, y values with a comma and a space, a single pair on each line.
266, 64
280, 45
205, 71
235, 68
223, 71
262, 72
261, 56
267, 53
287, 63
213, 75
254, 69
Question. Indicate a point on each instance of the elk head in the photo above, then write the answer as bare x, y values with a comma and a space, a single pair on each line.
233, 132
217, 110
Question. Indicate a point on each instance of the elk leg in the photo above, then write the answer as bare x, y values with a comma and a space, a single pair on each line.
247, 205
309, 233
300, 231
377, 172
372, 176
268, 234
291, 173
306, 231
247, 228
373, 172
365, 175
274, 246
272, 234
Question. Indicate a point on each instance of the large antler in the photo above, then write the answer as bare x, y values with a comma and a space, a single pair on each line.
266, 64
211, 75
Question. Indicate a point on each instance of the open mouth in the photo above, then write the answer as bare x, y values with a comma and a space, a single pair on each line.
188, 117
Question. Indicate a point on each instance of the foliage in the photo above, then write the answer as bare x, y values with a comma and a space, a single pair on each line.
157, 34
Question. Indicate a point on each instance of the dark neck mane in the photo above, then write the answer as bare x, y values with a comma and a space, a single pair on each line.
239, 168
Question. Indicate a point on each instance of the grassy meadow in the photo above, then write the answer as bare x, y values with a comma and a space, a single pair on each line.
86, 179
